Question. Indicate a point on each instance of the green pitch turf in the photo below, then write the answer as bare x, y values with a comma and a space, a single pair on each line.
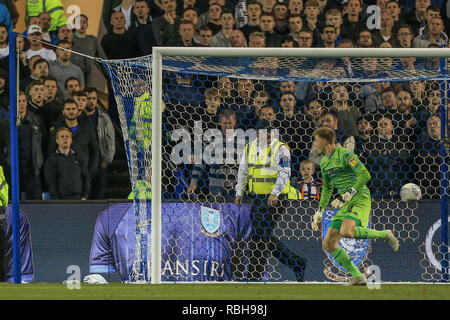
118, 291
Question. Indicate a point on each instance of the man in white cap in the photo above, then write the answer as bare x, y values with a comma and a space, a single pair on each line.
36, 48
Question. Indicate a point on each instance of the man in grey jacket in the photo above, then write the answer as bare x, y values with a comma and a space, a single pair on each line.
106, 142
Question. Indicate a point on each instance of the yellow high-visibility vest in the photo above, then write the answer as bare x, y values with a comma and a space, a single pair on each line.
54, 8
263, 169
4, 189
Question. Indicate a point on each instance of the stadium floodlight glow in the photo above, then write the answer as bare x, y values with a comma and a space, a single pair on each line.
291, 64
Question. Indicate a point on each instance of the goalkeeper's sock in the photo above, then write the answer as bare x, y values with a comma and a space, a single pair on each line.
344, 260
366, 233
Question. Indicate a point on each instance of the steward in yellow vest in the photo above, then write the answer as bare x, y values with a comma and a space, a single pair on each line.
264, 174
54, 8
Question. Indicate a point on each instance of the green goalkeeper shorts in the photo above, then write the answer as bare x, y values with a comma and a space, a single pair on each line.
358, 209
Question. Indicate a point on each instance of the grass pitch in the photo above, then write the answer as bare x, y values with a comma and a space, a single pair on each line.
119, 291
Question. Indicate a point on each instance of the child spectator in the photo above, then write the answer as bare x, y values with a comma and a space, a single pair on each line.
307, 186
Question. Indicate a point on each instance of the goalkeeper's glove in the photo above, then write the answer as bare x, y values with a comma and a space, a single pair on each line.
317, 219
341, 200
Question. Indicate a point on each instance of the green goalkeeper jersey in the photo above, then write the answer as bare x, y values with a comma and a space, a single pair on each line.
344, 170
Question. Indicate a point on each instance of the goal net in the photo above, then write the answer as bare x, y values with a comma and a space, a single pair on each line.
389, 110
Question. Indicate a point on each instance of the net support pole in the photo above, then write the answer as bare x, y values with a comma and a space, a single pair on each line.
14, 157
444, 247
156, 165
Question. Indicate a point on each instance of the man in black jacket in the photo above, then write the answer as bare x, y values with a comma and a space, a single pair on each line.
65, 172
84, 136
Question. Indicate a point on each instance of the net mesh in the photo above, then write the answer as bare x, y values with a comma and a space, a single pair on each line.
391, 112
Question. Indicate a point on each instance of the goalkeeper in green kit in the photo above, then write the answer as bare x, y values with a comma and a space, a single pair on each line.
341, 168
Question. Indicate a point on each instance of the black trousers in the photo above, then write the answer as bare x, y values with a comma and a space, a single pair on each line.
262, 242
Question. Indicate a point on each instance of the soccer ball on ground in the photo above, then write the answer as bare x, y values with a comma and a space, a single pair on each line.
410, 193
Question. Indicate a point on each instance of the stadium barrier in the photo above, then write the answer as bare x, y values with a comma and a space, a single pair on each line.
62, 236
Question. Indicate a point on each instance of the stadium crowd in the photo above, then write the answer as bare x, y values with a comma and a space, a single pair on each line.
394, 127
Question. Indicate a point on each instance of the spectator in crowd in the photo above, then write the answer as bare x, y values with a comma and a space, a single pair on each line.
4, 41
120, 43
52, 108
31, 135
221, 175
347, 114
206, 17
190, 14
365, 39
186, 31
222, 38
385, 33
268, 113
36, 96
183, 5
405, 36
72, 85
417, 17
313, 115
372, 96
165, 26
106, 142
307, 185
62, 68
430, 105
267, 25
280, 12
388, 100
205, 35
84, 136
389, 157
267, 5
40, 69
4, 95
66, 172
80, 98
404, 116
237, 39
45, 23
305, 38
289, 42
295, 7
417, 89
127, 8
432, 12
365, 132
88, 45
393, 8
54, 7
295, 23
210, 109
260, 100
427, 162
311, 13
254, 11
329, 37
36, 48
353, 22
64, 33
213, 14
333, 17
289, 126
435, 34
257, 40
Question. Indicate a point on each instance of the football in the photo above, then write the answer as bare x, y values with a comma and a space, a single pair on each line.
410, 193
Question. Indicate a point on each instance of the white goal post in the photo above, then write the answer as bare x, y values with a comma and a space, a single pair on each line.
157, 58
